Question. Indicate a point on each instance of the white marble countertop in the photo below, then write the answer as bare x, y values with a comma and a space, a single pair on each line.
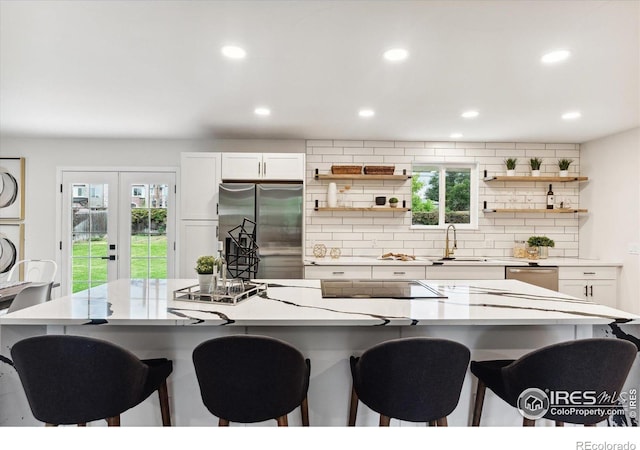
300, 303
462, 260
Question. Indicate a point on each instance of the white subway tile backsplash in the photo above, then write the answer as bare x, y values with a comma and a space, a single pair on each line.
373, 233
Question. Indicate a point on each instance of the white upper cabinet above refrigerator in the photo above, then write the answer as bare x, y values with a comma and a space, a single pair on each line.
263, 166
199, 180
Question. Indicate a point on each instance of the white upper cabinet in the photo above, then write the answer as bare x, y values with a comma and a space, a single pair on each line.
200, 177
263, 166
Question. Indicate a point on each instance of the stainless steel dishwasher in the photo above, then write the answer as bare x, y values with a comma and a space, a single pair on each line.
543, 276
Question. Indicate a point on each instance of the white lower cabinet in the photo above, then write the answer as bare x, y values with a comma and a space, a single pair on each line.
337, 272
594, 284
398, 272
197, 238
451, 272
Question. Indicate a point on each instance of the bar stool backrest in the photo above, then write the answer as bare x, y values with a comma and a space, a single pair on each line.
36, 270
248, 378
599, 365
76, 379
31, 295
412, 379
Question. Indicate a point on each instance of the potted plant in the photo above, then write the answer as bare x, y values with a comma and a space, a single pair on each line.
204, 267
511, 166
535, 166
563, 165
393, 202
542, 243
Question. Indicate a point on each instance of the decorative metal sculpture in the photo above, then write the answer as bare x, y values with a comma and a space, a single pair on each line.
241, 253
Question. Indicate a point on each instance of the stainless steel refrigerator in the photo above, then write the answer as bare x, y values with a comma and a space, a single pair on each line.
276, 209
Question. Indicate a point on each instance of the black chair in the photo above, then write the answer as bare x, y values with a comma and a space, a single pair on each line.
76, 379
596, 364
410, 379
249, 379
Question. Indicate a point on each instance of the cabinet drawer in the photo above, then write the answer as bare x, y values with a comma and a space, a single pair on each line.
404, 273
337, 272
587, 273
465, 273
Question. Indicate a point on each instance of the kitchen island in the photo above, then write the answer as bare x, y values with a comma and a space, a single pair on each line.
494, 318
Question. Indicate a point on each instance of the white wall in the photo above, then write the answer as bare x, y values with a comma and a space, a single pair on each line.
44, 156
612, 195
372, 234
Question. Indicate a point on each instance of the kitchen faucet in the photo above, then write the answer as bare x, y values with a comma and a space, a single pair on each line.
448, 252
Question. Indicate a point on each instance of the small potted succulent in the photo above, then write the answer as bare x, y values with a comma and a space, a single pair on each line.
393, 202
511, 166
535, 164
563, 165
205, 266
542, 243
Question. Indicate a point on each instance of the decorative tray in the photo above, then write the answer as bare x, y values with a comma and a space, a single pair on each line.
233, 294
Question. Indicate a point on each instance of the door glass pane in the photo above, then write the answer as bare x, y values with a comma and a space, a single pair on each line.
148, 230
89, 246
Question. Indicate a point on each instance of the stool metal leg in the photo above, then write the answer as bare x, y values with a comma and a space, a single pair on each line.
304, 410
282, 421
442, 422
163, 395
477, 408
353, 408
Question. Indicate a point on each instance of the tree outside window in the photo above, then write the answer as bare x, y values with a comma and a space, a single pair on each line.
443, 194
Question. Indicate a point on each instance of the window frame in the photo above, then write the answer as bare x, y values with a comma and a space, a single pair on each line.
443, 166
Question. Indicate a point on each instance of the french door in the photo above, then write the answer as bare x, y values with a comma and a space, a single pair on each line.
116, 224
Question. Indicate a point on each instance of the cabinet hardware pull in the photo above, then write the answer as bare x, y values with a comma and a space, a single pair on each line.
264, 168
588, 273
259, 166
591, 289
586, 292
338, 273
399, 273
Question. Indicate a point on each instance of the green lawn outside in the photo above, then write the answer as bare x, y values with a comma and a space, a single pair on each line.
151, 250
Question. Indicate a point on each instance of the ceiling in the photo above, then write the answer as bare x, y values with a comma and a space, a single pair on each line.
153, 69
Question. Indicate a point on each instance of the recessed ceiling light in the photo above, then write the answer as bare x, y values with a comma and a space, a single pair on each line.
396, 54
455, 135
233, 52
262, 111
555, 56
470, 114
571, 115
366, 113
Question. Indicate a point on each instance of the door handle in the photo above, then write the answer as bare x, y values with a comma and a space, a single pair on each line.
110, 257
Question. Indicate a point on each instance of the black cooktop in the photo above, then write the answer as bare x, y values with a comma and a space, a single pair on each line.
398, 289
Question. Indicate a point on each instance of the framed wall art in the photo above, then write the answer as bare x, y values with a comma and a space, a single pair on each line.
11, 189
11, 246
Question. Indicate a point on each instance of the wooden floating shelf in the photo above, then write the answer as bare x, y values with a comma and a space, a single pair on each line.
378, 209
333, 176
530, 178
536, 211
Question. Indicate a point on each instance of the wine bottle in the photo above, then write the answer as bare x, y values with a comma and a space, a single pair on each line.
550, 198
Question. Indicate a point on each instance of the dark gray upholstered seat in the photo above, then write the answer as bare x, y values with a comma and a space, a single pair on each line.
411, 379
77, 379
596, 364
247, 379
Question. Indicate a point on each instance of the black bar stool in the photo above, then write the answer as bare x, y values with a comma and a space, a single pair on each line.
411, 379
249, 379
76, 379
597, 364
